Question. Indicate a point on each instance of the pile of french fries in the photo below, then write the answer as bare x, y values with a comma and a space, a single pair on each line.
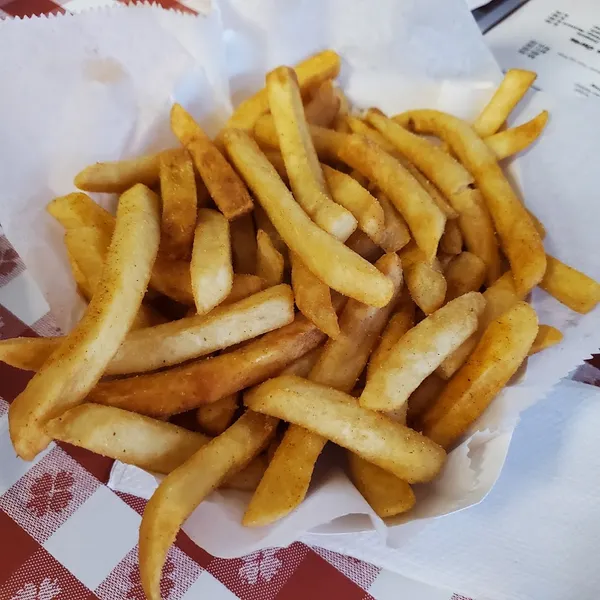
409, 261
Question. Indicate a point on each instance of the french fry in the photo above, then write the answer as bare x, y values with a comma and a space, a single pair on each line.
79, 210
425, 220
516, 139
360, 243
423, 397
398, 325
452, 240
499, 297
519, 239
170, 277
248, 478
269, 262
339, 365
546, 337
118, 176
83, 287
538, 225
244, 286
87, 248
500, 352
325, 141
420, 351
515, 84
324, 106
216, 417
456, 184
179, 204
465, 273
223, 183
204, 381
243, 245
147, 443
184, 488
303, 366
339, 123
313, 298
347, 192
311, 73
211, 266
427, 286
359, 126
570, 286
395, 234
337, 417
387, 494
301, 162
191, 337
79, 362
263, 222
327, 258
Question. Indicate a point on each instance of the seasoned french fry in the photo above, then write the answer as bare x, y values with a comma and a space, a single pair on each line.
301, 162
177, 341
516, 139
79, 210
313, 298
79, 362
118, 176
452, 240
223, 183
337, 417
263, 222
387, 494
216, 417
134, 439
360, 243
537, 224
248, 478
347, 192
382, 123
83, 286
420, 351
465, 273
395, 234
339, 123
324, 106
211, 266
339, 364
303, 366
546, 337
311, 73
179, 204
169, 277
570, 286
184, 488
500, 352
515, 84
398, 325
327, 258
244, 286
423, 397
425, 220
499, 297
519, 239
454, 181
427, 286
204, 381
269, 262
243, 245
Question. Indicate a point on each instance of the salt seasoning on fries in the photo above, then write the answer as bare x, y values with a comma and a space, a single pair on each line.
519, 238
79, 362
269, 261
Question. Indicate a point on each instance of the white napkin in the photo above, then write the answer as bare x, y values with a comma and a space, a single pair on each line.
536, 536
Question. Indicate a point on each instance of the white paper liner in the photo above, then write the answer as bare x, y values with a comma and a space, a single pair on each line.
104, 93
